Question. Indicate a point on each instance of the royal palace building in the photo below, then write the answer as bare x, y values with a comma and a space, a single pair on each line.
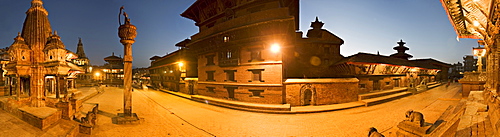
252, 51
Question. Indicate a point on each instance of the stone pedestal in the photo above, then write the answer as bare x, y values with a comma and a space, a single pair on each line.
86, 129
40, 117
472, 81
411, 129
67, 110
122, 119
468, 86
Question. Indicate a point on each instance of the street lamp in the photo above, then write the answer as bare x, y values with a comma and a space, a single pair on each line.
275, 48
479, 52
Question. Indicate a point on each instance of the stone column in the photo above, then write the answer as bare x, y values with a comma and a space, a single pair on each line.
127, 33
18, 87
36, 86
58, 89
127, 78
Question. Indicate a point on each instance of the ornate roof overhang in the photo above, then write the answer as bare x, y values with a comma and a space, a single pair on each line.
468, 17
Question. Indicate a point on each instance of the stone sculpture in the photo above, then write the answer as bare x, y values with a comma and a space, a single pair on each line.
415, 117
374, 133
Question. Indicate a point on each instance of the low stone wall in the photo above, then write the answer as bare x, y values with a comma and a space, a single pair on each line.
300, 92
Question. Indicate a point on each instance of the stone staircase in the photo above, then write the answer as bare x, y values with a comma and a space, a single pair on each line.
383, 96
388, 95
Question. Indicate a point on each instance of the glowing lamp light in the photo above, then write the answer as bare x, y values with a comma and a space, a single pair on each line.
475, 23
181, 64
479, 51
97, 74
275, 48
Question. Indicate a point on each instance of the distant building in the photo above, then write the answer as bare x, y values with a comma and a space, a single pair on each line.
470, 63
84, 78
170, 71
112, 71
378, 72
140, 77
456, 71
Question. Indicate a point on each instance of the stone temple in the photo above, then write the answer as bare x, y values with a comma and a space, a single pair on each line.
40, 74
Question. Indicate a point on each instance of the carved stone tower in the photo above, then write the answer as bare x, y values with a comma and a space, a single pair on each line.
38, 66
82, 60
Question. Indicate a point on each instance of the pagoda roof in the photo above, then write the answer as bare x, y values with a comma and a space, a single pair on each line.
366, 58
468, 17
112, 57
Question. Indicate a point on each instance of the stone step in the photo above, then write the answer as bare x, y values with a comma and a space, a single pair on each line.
381, 93
63, 128
85, 108
449, 120
377, 100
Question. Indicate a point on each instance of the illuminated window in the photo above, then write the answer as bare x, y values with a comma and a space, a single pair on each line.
210, 60
210, 75
230, 75
256, 75
225, 38
256, 93
229, 54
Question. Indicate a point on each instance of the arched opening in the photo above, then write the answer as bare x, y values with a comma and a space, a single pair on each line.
307, 97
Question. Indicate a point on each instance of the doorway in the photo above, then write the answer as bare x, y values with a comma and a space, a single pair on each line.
307, 97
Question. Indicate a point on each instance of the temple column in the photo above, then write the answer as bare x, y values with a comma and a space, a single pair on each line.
57, 86
18, 87
37, 86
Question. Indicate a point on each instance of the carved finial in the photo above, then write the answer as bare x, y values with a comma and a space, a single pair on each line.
119, 16
127, 20
19, 38
401, 43
317, 24
113, 54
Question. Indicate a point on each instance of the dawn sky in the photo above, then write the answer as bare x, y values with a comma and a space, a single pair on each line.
365, 26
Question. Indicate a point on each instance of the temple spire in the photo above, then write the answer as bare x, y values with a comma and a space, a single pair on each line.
79, 50
36, 29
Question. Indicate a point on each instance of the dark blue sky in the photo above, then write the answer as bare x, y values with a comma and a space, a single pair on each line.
365, 26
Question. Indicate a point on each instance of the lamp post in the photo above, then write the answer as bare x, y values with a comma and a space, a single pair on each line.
479, 52
127, 33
